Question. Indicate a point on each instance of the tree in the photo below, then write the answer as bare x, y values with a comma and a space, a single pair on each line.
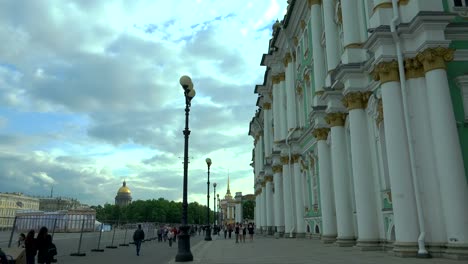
248, 208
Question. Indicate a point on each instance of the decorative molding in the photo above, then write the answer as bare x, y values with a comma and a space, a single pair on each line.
380, 116
277, 169
268, 178
310, 3
435, 58
295, 158
267, 106
303, 24
282, 76
284, 160
287, 59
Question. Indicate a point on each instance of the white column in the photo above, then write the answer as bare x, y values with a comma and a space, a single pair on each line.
327, 201
319, 58
264, 212
404, 205
424, 156
351, 25
287, 199
269, 204
278, 199
276, 109
283, 108
299, 197
341, 180
364, 192
331, 34
290, 95
267, 128
445, 139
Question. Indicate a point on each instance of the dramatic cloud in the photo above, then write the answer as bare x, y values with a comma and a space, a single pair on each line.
89, 95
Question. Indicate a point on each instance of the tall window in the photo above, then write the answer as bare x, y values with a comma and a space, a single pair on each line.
460, 3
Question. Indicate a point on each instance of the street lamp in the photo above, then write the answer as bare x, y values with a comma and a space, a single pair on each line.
214, 211
208, 229
184, 253
219, 207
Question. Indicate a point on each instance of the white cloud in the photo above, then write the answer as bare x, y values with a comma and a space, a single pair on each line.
90, 95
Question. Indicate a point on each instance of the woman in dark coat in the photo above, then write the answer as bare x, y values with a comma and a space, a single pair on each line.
31, 247
42, 246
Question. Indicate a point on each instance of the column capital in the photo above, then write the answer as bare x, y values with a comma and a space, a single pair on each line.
268, 178
281, 76
413, 68
277, 169
295, 158
284, 160
321, 133
275, 79
386, 72
435, 58
267, 106
310, 3
335, 119
356, 100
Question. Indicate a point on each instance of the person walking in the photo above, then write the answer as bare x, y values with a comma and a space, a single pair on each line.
237, 232
31, 247
241, 233
225, 231
138, 236
230, 230
42, 245
170, 236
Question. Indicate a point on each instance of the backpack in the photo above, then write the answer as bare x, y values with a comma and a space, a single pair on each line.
52, 251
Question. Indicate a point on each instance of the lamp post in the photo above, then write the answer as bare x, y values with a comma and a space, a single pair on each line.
214, 209
184, 253
208, 229
218, 206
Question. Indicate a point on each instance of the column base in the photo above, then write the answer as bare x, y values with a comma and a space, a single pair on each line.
300, 235
456, 251
345, 242
436, 249
271, 230
405, 249
369, 245
328, 239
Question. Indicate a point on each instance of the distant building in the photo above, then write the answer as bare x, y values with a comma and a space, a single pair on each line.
51, 204
12, 202
124, 196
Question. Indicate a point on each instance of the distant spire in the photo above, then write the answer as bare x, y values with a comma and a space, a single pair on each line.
52, 192
124, 183
228, 189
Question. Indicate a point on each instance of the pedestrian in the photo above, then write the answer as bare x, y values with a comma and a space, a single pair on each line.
244, 233
251, 231
51, 251
225, 231
42, 245
237, 232
138, 236
160, 234
21, 239
241, 234
31, 247
170, 236
230, 230
175, 233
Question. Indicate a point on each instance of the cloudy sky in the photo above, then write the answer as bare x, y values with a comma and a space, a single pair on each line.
90, 95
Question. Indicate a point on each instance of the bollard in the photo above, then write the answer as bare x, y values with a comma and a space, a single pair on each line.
124, 244
79, 254
12, 232
112, 243
99, 240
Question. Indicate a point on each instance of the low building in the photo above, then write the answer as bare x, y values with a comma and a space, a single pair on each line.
10, 203
73, 220
52, 204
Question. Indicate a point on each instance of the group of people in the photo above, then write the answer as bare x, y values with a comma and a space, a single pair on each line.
41, 246
166, 233
240, 230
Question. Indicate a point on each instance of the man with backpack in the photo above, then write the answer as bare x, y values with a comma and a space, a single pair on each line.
138, 236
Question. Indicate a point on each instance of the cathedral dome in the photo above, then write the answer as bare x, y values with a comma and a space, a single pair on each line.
124, 189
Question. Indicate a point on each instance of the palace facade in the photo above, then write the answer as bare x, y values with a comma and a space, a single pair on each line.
361, 132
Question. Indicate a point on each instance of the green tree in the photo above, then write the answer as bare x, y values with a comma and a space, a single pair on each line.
248, 208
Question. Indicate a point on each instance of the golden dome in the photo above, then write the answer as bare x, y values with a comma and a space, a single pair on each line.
124, 189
